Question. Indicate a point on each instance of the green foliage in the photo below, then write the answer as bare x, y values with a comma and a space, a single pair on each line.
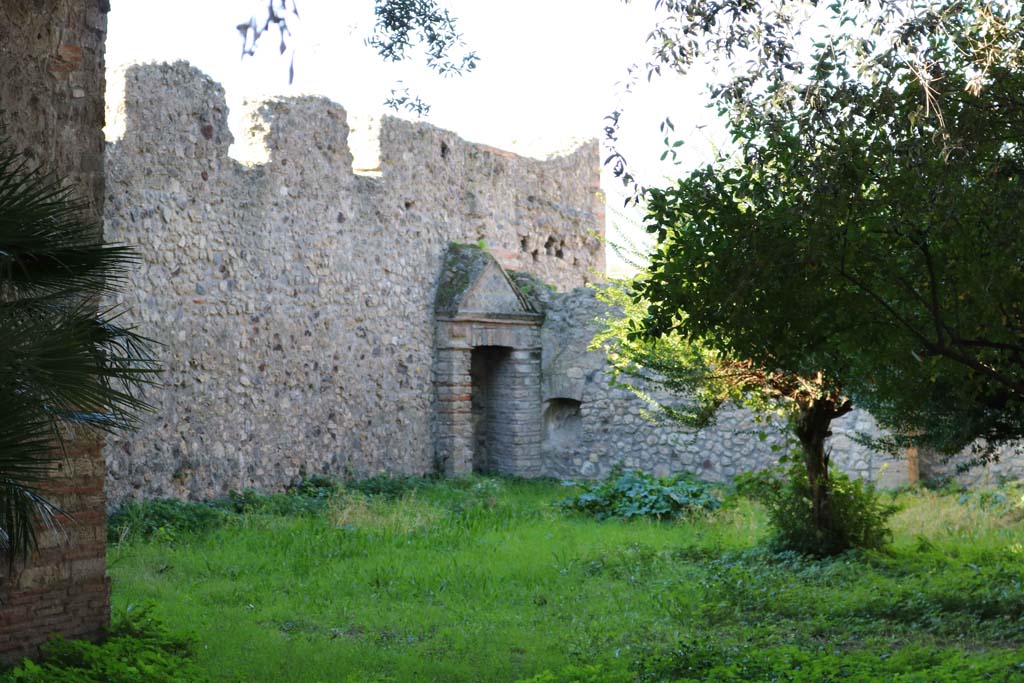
386, 485
701, 374
1006, 500
859, 514
455, 580
626, 495
167, 517
922, 594
401, 26
583, 673
251, 501
65, 363
704, 661
466, 502
139, 649
687, 368
865, 221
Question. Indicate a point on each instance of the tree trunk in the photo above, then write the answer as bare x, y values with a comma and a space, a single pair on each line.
812, 428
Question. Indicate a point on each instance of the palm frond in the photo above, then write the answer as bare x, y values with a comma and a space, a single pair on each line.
21, 509
64, 363
46, 249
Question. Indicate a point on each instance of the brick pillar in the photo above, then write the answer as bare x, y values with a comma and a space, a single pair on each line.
51, 99
454, 387
63, 588
525, 413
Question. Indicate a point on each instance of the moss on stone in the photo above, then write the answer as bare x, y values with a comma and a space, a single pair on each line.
462, 264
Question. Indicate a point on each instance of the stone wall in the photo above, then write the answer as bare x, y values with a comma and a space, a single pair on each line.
592, 426
51, 99
295, 298
1008, 466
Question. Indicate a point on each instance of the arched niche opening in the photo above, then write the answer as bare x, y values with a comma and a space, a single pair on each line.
563, 423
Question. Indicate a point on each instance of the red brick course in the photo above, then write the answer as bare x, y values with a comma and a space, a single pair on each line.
63, 588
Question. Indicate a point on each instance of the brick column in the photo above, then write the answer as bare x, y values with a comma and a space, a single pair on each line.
525, 413
51, 98
63, 588
454, 387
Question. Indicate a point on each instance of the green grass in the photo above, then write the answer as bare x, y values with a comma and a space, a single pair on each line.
485, 580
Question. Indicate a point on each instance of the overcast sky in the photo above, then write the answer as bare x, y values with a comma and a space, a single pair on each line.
549, 70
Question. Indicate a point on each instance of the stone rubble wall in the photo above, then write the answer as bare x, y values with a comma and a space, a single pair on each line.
51, 110
294, 299
1008, 467
613, 429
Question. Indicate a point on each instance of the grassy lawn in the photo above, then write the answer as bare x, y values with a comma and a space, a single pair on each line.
484, 580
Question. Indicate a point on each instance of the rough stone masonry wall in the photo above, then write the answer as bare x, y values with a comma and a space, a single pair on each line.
1009, 466
51, 103
294, 298
611, 429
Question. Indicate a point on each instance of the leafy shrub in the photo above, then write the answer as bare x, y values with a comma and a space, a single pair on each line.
386, 485
139, 650
251, 501
946, 483
1005, 501
307, 497
164, 516
859, 516
635, 494
316, 486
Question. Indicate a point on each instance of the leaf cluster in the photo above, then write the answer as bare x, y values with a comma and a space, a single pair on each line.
859, 514
167, 518
139, 649
401, 26
700, 373
715, 662
626, 495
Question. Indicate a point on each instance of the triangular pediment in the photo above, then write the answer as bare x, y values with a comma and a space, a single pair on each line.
472, 283
493, 292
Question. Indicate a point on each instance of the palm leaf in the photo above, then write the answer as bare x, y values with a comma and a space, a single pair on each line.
45, 247
64, 363
20, 508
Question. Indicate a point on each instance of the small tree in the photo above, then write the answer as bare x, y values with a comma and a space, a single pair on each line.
704, 375
866, 222
64, 364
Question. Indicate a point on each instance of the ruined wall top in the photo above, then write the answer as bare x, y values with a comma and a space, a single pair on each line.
177, 113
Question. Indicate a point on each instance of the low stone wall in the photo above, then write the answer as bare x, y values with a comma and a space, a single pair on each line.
609, 426
1009, 465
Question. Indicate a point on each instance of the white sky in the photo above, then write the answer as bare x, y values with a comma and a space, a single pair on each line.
549, 71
